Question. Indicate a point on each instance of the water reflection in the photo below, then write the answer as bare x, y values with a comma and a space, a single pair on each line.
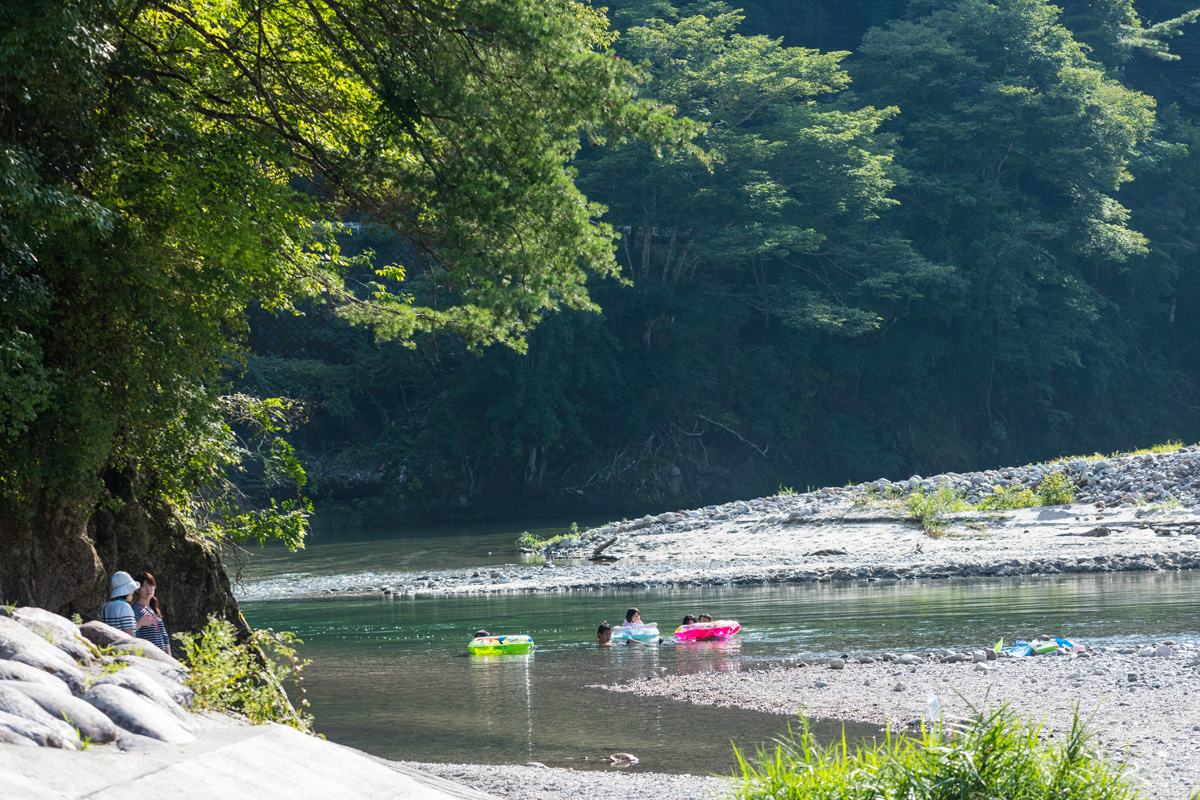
502, 693
715, 656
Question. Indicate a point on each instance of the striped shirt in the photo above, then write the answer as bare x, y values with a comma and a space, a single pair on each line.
118, 614
156, 634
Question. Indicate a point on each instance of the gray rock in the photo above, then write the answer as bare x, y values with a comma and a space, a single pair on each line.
908, 659
1131, 677
1147, 652
1163, 651
978, 656
16, 671
821, 685
899, 687
35, 732
837, 663
61, 704
63, 633
136, 714
18, 643
8, 736
174, 688
15, 702
135, 743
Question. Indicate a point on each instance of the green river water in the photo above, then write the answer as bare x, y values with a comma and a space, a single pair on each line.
391, 676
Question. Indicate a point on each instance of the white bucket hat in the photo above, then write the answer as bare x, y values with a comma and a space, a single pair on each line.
122, 584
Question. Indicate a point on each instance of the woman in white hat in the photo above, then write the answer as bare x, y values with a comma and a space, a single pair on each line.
117, 612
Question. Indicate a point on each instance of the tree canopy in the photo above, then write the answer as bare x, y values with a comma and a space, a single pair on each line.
167, 164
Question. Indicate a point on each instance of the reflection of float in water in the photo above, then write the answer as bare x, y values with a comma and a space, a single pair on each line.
708, 655
501, 686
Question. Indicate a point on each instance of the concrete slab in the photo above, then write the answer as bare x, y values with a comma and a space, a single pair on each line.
229, 760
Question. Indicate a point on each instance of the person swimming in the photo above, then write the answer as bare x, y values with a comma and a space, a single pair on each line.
704, 618
632, 617
689, 619
604, 634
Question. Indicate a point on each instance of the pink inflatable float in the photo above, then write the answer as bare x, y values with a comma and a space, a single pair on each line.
720, 629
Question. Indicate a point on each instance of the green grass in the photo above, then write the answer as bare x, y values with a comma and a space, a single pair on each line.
531, 542
994, 756
1165, 447
786, 491
930, 508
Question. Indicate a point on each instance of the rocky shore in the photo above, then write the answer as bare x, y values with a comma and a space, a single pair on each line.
1131, 513
70, 687
1142, 703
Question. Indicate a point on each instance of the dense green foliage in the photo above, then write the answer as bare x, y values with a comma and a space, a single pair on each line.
247, 678
165, 165
968, 241
993, 755
890, 237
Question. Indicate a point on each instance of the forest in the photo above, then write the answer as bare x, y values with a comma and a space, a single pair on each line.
914, 237
373, 260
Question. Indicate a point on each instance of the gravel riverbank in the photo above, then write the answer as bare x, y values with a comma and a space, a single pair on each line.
1144, 702
1133, 513
514, 782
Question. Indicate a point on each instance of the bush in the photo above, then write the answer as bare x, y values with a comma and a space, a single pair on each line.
1056, 490
1004, 499
930, 508
995, 756
245, 678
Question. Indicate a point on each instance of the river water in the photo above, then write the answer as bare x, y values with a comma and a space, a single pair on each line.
391, 676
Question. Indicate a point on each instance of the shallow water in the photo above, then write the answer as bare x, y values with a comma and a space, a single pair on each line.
391, 676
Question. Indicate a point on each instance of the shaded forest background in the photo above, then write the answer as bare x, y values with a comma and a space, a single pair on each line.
936, 236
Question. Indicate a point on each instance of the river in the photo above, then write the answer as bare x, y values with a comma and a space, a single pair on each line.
391, 676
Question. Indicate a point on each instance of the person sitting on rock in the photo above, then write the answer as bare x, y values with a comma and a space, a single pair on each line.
148, 613
117, 612
604, 634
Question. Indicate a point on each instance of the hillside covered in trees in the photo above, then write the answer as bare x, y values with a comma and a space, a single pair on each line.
924, 236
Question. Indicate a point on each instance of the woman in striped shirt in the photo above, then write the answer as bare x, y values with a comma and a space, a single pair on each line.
146, 609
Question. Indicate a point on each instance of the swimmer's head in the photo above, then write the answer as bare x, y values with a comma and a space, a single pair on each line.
604, 633
689, 620
633, 615
705, 618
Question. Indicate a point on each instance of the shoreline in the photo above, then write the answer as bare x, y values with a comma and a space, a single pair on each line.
854, 533
1143, 710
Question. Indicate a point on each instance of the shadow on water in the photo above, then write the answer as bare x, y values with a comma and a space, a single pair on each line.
391, 676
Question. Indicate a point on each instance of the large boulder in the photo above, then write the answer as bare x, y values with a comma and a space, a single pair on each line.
15, 727
15, 702
18, 643
61, 704
174, 687
119, 641
16, 671
60, 631
138, 682
136, 714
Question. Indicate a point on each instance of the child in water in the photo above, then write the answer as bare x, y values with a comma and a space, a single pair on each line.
688, 619
632, 617
705, 618
604, 635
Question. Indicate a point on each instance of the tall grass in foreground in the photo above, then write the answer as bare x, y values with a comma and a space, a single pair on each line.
995, 756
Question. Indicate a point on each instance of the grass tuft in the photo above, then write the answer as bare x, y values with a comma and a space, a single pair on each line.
994, 756
930, 508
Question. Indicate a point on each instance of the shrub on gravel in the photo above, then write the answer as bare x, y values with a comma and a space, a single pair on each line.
996, 755
931, 508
